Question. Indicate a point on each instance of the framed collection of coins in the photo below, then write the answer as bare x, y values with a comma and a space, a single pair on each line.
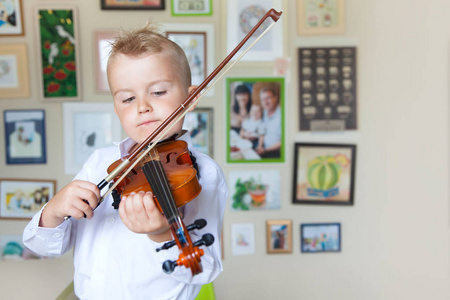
327, 85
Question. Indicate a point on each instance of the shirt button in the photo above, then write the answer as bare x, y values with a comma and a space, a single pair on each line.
112, 220
57, 235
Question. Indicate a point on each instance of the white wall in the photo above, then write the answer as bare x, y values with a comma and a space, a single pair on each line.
395, 237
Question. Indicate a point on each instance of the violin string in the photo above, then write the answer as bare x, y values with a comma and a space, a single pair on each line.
182, 114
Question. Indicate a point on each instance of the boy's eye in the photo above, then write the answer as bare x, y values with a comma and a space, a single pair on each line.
128, 99
159, 93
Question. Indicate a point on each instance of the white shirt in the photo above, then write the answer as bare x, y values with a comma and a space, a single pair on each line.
273, 128
112, 262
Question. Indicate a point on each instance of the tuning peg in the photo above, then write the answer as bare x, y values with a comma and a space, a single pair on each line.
206, 240
198, 224
166, 246
169, 265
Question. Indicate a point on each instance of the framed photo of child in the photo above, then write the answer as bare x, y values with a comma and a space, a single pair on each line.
255, 120
324, 173
322, 237
22, 198
279, 236
11, 18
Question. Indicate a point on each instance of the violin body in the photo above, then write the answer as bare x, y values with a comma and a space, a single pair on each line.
178, 167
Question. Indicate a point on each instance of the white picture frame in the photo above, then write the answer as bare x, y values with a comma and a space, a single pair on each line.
103, 40
87, 127
243, 239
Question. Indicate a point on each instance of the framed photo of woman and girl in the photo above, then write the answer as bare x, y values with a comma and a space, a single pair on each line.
255, 120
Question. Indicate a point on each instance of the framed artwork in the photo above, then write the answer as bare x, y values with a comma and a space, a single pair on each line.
87, 127
103, 40
254, 190
242, 17
323, 237
243, 239
198, 45
191, 7
22, 198
327, 85
324, 173
133, 4
14, 77
279, 236
25, 136
200, 125
12, 248
11, 18
255, 120
319, 17
59, 53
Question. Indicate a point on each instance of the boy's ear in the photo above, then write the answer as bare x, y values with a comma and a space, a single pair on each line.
192, 89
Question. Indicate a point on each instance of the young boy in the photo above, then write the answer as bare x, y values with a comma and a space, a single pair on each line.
115, 251
253, 128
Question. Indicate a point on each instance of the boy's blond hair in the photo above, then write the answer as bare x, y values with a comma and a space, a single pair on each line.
148, 40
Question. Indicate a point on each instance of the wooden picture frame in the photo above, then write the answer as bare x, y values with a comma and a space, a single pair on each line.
264, 139
279, 236
200, 124
132, 4
103, 40
324, 173
25, 136
57, 32
87, 127
316, 17
23, 198
320, 237
191, 8
11, 23
14, 76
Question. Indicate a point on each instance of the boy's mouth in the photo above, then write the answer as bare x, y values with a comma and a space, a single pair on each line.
146, 123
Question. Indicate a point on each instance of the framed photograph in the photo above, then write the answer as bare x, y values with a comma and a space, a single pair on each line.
200, 125
133, 4
255, 120
59, 53
323, 237
318, 17
11, 18
255, 190
22, 198
87, 127
14, 77
12, 248
324, 173
327, 85
25, 136
279, 236
198, 45
191, 7
103, 40
242, 17
243, 239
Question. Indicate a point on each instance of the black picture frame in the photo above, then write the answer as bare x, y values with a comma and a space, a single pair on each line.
324, 173
120, 6
320, 237
25, 138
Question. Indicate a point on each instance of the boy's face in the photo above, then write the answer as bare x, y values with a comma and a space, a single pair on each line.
146, 90
256, 112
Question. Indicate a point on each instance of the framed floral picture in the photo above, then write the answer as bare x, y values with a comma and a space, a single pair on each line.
59, 53
133, 4
11, 18
14, 76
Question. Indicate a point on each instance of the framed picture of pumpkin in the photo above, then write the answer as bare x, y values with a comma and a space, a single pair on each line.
58, 53
324, 173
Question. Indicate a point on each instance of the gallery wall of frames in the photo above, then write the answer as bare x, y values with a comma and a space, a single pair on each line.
266, 122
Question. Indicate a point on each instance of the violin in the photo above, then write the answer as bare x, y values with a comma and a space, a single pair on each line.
168, 172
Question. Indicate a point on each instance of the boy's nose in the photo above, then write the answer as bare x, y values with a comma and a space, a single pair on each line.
144, 106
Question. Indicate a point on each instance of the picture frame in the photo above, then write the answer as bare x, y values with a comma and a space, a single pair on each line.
191, 8
241, 18
324, 173
201, 55
87, 127
133, 4
243, 239
14, 75
59, 57
254, 190
13, 249
12, 16
328, 88
103, 40
25, 136
316, 17
320, 237
263, 140
200, 124
23, 198
279, 236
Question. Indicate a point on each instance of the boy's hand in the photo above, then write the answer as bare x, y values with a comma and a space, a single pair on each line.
140, 214
77, 199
